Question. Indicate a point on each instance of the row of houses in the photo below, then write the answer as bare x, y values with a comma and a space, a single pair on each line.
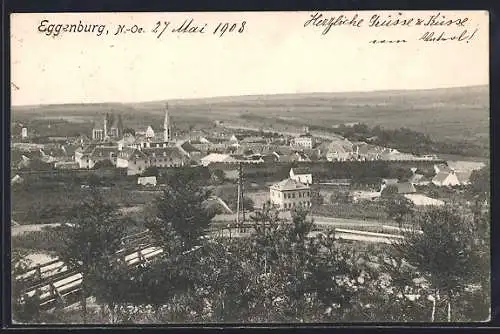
135, 160
296, 189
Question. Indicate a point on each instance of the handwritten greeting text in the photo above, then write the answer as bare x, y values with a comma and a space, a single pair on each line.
457, 28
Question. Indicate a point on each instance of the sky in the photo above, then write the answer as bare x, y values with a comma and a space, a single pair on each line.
274, 54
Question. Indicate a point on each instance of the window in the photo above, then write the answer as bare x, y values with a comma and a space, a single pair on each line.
293, 195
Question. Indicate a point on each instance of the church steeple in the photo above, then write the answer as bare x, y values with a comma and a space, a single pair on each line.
166, 126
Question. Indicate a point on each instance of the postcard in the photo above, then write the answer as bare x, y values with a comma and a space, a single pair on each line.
250, 167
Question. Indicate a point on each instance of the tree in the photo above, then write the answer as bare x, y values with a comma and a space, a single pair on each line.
93, 180
398, 208
92, 235
176, 283
480, 183
180, 211
218, 176
103, 164
448, 253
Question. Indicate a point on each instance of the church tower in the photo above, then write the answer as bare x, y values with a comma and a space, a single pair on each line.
166, 126
106, 124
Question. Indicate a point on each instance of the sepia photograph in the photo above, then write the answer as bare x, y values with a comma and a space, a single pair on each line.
250, 167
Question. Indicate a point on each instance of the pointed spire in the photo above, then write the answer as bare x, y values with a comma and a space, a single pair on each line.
166, 125
120, 125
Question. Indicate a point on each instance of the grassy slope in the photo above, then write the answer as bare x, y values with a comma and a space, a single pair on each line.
454, 113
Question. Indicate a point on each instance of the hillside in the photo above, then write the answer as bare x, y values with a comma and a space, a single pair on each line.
444, 114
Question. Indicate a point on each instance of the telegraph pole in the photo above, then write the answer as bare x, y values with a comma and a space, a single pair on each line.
240, 203
242, 187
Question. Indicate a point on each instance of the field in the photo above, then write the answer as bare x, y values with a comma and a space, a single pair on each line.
444, 114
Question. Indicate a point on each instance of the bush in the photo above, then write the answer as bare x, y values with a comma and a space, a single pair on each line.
369, 210
343, 197
151, 171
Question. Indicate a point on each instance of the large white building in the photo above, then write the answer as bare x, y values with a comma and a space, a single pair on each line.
289, 194
303, 141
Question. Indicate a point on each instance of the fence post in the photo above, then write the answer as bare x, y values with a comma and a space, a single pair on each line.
39, 272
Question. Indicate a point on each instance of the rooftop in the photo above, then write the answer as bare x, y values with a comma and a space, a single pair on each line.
440, 177
405, 188
289, 184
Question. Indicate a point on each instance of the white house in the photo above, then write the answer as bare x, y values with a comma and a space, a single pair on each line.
446, 179
289, 194
301, 176
147, 180
304, 141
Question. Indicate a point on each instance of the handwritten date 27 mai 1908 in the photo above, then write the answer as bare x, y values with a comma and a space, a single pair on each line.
159, 28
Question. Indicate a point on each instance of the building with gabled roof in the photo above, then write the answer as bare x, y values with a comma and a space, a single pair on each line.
302, 175
88, 156
138, 160
405, 188
289, 194
169, 156
446, 179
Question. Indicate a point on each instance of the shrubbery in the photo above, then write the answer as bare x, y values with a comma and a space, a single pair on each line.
279, 272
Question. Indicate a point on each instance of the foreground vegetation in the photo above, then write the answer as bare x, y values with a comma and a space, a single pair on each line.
280, 273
